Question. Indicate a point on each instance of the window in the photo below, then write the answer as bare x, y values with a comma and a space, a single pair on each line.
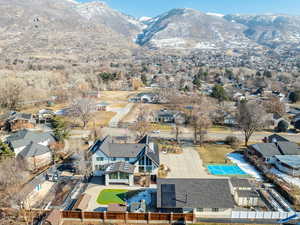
99, 159
127, 159
215, 209
199, 209
124, 176
113, 176
113, 159
100, 167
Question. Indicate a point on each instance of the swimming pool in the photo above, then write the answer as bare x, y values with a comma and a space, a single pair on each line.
225, 170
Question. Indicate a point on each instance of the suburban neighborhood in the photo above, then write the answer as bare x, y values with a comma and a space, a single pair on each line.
149, 160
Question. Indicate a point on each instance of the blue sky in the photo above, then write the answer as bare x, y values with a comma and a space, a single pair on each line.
152, 8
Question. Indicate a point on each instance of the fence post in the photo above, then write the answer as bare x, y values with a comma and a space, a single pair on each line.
104, 216
194, 218
149, 217
126, 217
171, 217
82, 216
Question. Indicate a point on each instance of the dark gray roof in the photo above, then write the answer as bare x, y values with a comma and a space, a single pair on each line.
152, 152
247, 194
117, 150
240, 183
120, 167
275, 138
194, 193
23, 116
25, 137
289, 148
266, 149
34, 149
292, 161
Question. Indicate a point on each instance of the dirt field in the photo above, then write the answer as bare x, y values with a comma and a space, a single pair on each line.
132, 115
214, 153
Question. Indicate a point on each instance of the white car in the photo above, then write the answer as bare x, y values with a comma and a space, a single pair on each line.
156, 132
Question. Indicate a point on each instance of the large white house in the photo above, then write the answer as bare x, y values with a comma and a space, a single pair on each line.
120, 162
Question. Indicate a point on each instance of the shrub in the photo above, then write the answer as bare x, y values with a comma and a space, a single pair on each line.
282, 126
233, 141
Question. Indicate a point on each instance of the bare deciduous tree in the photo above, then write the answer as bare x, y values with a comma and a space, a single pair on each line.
11, 94
274, 105
142, 127
83, 109
251, 117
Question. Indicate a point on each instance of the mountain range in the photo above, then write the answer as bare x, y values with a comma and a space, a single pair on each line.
66, 28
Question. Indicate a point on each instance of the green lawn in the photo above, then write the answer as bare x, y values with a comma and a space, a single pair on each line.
111, 196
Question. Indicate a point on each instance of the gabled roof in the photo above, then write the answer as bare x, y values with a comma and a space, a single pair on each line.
116, 150
288, 148
267, 149
276, 138
25, 137
292, 161
33, 150
123, 167
152, 152
194, 193
240, 183
247, 194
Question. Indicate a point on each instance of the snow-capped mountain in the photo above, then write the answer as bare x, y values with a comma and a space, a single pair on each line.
189, 28
270, 30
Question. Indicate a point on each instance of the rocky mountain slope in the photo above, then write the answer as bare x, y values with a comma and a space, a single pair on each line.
188, 28
100, 13
58, 28
67, 29
270, 30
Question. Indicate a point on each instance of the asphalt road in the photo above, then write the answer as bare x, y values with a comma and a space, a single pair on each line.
256, 137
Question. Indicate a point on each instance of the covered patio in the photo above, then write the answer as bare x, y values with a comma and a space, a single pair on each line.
119, 173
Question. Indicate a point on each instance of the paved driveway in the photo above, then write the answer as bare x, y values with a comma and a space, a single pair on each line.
185, 165
121, 113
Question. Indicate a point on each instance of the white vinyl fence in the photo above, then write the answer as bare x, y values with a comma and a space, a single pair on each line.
260, 215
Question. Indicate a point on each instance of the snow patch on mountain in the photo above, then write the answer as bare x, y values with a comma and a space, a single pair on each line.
145, 19
215, 14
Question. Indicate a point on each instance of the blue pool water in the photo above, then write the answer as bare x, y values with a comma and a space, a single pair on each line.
225, 170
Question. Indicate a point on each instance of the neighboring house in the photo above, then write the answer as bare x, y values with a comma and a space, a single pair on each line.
284, 155
35, 156
204, 197
30, 192
120, 162
145, 98
32, 147
168, 116
275, 138
18, 121
102, 106
289, 164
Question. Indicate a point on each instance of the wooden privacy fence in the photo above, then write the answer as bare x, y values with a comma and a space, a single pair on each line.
128, 216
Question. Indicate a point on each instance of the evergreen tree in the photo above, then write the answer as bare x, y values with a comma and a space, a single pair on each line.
219, 93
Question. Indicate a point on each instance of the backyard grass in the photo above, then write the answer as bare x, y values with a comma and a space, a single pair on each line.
111, 196
101, 118
214, 153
